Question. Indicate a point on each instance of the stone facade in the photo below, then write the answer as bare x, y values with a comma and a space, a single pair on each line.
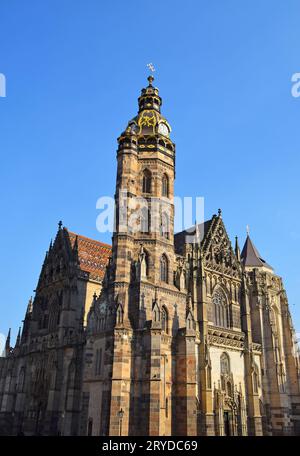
160, 334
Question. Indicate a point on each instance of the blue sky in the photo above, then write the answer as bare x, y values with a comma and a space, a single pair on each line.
74, 70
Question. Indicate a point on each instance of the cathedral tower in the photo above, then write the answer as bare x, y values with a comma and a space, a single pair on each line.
140, 303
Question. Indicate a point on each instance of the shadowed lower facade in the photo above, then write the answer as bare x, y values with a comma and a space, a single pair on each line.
158, 334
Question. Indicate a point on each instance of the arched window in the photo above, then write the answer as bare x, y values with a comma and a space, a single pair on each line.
165, 186
225, 364
221, 310
164, 269
165, 226
164, 319
147, 181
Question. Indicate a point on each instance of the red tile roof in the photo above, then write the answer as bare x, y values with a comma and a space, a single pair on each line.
93, 255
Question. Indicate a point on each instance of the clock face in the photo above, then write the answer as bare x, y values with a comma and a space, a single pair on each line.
163, 129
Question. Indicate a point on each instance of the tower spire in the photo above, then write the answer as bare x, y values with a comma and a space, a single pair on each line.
7, 343
237, 249
29, 306
75, 248
18, 337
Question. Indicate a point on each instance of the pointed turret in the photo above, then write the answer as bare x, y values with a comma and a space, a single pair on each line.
250, 256
237, 249
29, 306
18, 340
7, 343
75, 250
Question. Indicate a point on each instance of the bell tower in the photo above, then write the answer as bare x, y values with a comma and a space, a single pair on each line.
141, 271
143, 241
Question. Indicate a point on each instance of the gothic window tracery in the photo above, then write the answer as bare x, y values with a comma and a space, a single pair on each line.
165, 186
220, 308
164, 269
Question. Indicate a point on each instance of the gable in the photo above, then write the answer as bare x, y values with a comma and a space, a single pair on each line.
74, 251
217, 250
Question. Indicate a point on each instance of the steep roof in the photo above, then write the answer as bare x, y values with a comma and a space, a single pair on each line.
251, 257
93, 255
180, 238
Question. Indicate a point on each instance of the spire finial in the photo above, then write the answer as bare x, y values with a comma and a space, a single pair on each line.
75, 247
7, 343
248, 230
29, 306
18, 337
60, 223
237, 249
220, 212
150, 79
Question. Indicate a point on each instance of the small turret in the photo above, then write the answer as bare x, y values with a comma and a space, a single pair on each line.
7, 343
75, 250
29, 306
18, 340
237, 249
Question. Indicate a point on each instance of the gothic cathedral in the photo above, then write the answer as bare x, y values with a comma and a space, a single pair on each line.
158, 334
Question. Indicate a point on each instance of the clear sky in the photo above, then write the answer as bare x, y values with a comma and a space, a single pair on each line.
74, 70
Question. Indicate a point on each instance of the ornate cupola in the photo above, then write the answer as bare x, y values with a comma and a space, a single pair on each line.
149, 121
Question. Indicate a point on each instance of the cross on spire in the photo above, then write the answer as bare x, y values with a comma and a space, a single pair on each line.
151, 67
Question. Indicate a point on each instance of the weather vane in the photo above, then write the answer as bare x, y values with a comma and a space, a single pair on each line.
151, 67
